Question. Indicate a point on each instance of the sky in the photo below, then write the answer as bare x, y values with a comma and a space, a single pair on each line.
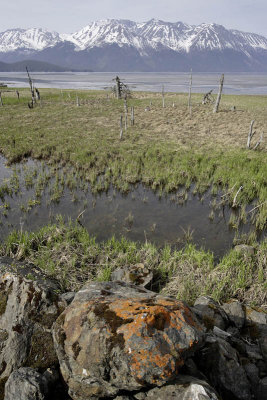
67, 16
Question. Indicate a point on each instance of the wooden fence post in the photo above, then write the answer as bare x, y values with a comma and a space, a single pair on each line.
121, 126
163, 97
132, 116
1, 100
250, 134
190, 94
217, 104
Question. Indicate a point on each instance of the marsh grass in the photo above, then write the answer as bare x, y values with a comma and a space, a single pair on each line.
165, 149
68, 254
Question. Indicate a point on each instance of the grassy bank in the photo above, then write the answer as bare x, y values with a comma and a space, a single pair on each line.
166, 148
67, 253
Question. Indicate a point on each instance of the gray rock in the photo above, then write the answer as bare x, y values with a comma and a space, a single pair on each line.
116, 336
253, 352
184, 388
68, 297
220, 333
136, 274
253, 375
256, 323
220, 363
235, 313
263, 347
245, 249
29, 384
211, 313
262, 389
29, 304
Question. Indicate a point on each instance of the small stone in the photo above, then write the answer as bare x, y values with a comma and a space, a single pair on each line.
136, 274
235, 313
220, 333
68, 297
245, 249
211, 313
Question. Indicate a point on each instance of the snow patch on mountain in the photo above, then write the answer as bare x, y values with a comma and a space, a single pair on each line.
144, 37
30, 39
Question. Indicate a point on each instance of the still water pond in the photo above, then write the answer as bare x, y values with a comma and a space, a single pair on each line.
139, 215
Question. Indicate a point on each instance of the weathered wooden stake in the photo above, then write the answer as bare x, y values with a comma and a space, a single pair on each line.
250, 134
17, 94
121, 126
125, 106
77, 101
32, 89
217, 104
126, 122
118, 87
163, 97
132, 116
190, 94
1, 100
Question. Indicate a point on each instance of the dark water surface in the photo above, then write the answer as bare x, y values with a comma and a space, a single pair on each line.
140, 215
241, 83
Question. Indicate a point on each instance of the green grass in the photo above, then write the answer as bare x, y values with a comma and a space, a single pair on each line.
68, 254
165, 149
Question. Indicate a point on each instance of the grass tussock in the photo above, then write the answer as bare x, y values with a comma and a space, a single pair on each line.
67, 253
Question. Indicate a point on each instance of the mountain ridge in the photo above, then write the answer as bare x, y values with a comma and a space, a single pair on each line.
142, 43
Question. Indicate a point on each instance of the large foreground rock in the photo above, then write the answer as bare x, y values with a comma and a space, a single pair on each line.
28, 307
116, 336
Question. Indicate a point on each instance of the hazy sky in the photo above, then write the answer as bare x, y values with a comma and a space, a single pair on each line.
66, 16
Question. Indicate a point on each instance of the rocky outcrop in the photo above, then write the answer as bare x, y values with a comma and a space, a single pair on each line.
29, 305
115, 336
120, 341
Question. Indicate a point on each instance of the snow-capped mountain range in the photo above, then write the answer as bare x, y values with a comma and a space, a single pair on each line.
152, 45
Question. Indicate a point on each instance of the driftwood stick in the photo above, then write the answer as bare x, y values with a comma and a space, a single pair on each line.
190, 94
121, 127
259, 142
217, 104
237, 193
250, 134
255, 208
231, 190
